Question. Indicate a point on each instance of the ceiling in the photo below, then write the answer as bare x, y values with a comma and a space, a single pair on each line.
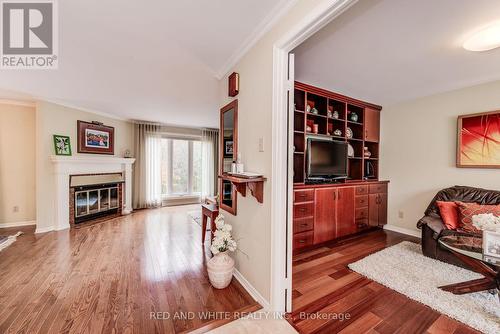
388, 51
150, 60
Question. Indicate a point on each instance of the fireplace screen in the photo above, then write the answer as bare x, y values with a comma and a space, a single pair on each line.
92, 201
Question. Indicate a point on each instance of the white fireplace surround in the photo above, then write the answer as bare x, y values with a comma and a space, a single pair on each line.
66, 166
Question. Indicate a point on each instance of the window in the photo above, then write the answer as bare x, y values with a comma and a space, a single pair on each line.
180, 167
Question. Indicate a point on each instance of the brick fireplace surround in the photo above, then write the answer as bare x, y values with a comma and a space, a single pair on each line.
64, 167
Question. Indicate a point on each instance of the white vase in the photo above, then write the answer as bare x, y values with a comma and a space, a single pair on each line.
220, 270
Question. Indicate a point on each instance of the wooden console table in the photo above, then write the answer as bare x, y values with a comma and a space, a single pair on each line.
208, 211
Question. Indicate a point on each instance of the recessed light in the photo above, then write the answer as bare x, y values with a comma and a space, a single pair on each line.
484, 40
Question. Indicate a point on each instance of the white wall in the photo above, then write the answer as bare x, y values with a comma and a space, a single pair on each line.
252, 225
418, 149
17, 164
54, 119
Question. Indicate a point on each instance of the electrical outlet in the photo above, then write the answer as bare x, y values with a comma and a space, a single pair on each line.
15, 209
261, 144
401, 214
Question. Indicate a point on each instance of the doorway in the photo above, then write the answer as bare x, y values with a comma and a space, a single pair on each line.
282, 183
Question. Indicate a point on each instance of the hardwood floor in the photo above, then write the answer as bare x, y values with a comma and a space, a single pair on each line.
110, 277
324, 290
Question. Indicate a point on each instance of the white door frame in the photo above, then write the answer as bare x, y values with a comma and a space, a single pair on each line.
281, 181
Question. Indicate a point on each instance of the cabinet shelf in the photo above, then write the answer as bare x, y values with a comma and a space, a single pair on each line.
315, 115
256, 185
366, 130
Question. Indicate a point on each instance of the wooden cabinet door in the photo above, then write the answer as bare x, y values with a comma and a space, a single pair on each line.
372, 125
382, 209
345, 211
324, 217
373, 209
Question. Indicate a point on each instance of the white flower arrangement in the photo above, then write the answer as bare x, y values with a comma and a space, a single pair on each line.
223, 241
486, 222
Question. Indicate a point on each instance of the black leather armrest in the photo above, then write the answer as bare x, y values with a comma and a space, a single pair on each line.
434, 223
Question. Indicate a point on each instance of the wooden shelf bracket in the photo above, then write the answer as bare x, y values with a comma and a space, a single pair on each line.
256, 185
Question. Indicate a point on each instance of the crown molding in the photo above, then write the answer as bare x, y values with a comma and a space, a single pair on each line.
23, 103
262, 28
91, 111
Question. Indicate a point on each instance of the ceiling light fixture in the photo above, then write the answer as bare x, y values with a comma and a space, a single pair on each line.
484, 40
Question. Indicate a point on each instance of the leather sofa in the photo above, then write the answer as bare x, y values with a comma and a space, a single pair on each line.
432, 225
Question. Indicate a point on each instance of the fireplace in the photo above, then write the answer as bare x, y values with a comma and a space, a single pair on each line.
95, 197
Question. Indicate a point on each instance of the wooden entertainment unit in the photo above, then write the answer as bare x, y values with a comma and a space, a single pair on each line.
324, 212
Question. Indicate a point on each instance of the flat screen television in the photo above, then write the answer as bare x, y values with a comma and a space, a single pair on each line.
326, 159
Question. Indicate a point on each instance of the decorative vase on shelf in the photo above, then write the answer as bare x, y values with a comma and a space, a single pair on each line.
335, 114
308, 129
220, 267
220, 270
350, 151
315, 128
337, 132
354, 117
348, 133
314, 111
366, 152
308, 108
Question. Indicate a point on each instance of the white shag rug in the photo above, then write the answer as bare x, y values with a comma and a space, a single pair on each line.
6, 242
405, 269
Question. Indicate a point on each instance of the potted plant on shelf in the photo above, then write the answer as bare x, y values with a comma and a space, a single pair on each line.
221, 266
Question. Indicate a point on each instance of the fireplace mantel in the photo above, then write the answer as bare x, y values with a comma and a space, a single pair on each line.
66, 166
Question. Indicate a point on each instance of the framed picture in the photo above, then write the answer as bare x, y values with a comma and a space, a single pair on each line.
95, 138
479, 140
491, 246
228, 148
62, 145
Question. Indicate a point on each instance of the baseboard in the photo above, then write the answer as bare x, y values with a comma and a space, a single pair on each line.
403, 230
252, 291
18, 224
44, 229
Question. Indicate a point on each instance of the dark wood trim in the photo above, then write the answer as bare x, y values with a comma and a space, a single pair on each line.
335, 96
232, 105
328, 185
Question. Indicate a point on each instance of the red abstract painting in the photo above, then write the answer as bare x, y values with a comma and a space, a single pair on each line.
479, 140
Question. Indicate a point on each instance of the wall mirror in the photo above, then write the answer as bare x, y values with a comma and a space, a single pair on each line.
228, 153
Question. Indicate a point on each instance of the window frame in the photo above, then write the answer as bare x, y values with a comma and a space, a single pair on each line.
170, 145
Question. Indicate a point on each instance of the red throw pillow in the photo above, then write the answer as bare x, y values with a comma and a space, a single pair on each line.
449, 214
467, 210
